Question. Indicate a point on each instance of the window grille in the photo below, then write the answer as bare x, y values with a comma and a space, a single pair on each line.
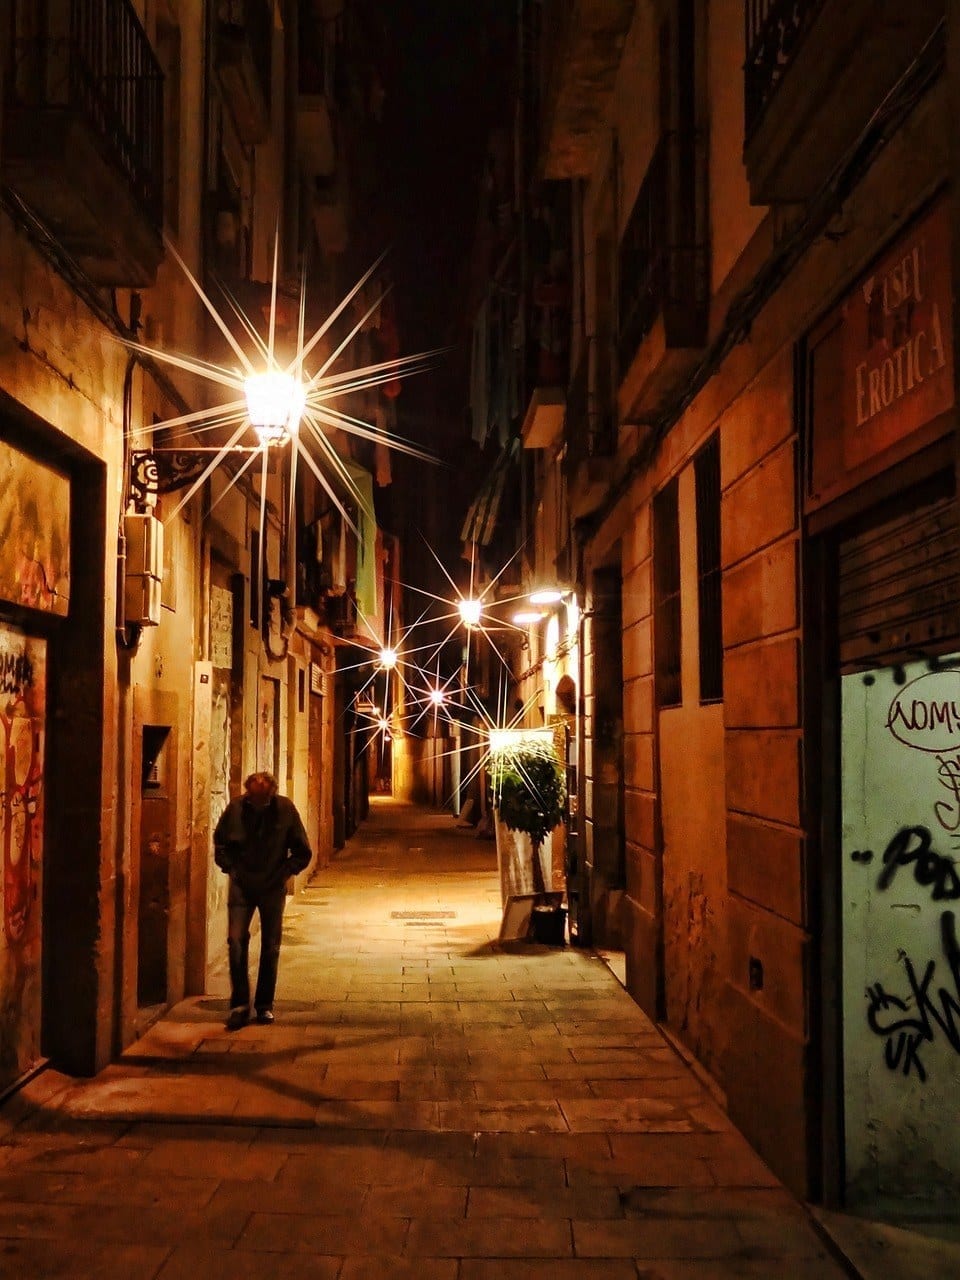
706, 467
666, 586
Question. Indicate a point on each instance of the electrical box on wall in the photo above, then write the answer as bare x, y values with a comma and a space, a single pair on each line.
144, 570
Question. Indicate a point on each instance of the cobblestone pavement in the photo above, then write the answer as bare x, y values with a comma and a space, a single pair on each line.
427, 1104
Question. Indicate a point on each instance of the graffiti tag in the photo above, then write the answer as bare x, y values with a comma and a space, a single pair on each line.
913, 846
909, 1022
925, 714
16, 673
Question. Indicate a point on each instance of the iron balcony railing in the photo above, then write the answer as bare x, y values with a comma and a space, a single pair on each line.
774, 31
664, 254
93, 58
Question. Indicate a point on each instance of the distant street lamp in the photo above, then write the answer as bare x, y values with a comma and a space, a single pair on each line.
546, 595
470, 611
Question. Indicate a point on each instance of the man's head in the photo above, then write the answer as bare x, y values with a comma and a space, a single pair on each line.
260, 788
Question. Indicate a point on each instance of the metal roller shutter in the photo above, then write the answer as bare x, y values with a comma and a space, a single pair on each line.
899, 588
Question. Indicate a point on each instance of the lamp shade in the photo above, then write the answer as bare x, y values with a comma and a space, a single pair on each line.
275, 402
470, 611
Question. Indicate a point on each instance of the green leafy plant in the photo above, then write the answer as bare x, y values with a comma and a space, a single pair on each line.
529, 792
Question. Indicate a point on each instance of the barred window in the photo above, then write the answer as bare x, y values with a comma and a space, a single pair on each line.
706, 467
666, 588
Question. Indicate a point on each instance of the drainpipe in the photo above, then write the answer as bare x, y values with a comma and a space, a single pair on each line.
584, 920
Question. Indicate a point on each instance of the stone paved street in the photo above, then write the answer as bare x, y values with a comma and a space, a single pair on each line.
427, 1104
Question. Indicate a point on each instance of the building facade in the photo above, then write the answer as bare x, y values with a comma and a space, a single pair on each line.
169, 621
744, 478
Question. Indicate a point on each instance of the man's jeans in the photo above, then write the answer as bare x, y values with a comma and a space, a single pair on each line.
240, 908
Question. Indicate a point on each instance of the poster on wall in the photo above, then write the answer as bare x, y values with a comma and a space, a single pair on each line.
34, 533
901, 941
22, 715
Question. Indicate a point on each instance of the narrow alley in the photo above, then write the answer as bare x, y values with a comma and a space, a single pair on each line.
429, 1103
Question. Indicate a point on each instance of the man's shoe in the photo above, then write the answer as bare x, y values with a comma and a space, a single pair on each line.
265, 1017
238, 1018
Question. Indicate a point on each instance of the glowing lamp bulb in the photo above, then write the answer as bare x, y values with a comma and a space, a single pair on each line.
546, 595
436, 697
470, 611
383, 725
275, 403
388, 659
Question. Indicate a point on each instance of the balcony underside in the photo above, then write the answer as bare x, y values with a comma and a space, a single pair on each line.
583, 68
588, 483
849, 58
657, 374
53, 162
544, 417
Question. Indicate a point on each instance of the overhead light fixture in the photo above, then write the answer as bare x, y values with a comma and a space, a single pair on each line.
546, 595
470, 611
527, 617
275, 404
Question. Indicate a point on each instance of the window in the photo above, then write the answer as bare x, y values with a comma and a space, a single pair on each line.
666, 589
706, 467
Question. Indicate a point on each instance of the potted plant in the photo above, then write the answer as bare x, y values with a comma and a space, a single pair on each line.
529, 795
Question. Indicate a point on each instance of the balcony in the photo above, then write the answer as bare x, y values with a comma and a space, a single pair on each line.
244, 49
581, 44
591, 431
82, 134
664, 277
815, 72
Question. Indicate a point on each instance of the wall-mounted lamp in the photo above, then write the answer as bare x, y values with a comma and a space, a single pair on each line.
470, 611
275, 404
547, 595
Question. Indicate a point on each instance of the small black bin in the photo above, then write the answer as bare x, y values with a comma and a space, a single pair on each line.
549, 925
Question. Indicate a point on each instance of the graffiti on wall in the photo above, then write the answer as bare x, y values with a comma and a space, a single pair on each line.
924, 717
22, 711
34, 533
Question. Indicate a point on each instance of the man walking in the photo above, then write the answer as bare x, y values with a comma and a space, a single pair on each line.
260, 842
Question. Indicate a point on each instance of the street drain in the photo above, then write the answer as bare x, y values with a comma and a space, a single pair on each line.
422, 917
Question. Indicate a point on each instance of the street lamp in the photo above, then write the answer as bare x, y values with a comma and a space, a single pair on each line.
546, 595
388, 659
470, 611
275, 404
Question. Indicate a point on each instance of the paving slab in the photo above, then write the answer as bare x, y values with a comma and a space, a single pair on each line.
428, 1106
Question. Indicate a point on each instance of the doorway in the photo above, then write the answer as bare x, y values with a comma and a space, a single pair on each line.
153, 908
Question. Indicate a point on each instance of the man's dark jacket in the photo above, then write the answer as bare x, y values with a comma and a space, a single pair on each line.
260, 848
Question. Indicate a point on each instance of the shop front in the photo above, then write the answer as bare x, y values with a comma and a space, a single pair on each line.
881, 514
